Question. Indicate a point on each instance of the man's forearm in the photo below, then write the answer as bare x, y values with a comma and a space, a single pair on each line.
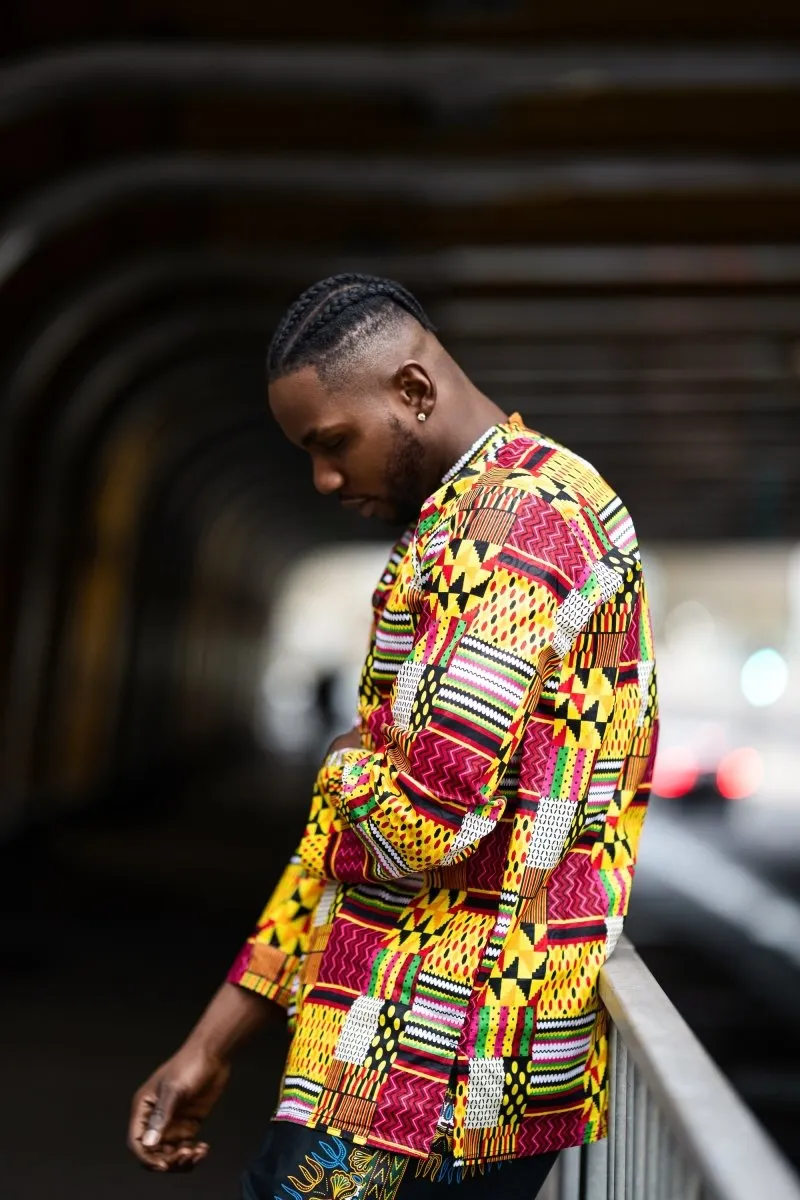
234, 1015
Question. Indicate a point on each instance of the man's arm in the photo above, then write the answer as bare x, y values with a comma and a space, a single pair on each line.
495, 622
270, 960
168, 1109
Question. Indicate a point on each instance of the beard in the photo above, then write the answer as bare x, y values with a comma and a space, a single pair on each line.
405, 475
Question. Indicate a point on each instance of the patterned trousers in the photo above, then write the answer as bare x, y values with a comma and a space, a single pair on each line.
296, 1163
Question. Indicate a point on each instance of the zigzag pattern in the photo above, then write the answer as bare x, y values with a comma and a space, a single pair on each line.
447, 768
536, 749
630, 646
541, 531
349, 946
515, 452
349, 859
574, 889
542, 1134
413, 1104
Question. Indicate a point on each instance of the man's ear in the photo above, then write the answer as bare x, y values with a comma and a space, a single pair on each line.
416, 388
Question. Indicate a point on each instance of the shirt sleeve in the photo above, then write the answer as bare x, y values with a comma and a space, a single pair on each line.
495, 617
271, 959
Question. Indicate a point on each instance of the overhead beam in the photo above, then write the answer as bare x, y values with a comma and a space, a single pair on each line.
445, 78
454, 185
628, 317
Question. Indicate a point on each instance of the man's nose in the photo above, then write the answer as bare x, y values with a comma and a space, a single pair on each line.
327, 479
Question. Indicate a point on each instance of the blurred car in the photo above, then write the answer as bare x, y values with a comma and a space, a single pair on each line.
700, 762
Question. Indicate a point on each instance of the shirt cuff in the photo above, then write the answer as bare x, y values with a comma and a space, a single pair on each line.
330, 774
266, 970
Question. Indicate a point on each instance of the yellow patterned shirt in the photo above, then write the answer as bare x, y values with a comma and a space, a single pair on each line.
438, 935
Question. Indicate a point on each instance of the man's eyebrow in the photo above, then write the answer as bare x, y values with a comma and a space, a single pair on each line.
317, 436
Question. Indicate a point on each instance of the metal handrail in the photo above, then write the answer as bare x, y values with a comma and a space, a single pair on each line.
677, 1129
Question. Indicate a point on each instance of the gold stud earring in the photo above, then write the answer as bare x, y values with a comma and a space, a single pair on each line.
421, 417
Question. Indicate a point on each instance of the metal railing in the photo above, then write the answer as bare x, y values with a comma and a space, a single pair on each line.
677, 1129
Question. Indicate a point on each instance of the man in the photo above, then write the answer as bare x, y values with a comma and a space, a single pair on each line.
465, 870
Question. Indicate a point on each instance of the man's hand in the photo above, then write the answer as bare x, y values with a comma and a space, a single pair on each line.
346, 741
169, 1108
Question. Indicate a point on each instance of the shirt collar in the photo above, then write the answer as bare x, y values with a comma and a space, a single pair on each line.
485, 448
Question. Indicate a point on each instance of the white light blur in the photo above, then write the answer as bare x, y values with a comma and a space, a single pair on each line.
319, 630
764, 677
689, 625
793, 595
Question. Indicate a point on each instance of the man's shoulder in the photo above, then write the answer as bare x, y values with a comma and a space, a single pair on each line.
536, 495
528, 471
553, 474
551, 469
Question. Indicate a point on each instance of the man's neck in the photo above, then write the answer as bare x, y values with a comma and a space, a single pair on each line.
479, 415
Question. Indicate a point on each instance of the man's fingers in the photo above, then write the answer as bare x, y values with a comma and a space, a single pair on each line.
160, 1114
170, 1138
188, 1157
170, 1156
174, 1155
143, 1101
142, 1107
164, 1126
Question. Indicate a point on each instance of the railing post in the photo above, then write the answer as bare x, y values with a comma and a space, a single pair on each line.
570, 1174
597, 1183
641, 1102
613, 1041
663, 1162
630, 1127
651, 1144
672, 1169
550, 1188
619, 1094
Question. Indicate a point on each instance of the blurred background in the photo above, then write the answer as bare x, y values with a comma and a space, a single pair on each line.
599, 203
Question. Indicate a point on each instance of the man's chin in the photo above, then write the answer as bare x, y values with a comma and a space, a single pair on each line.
389, 513
377, 510
387, 517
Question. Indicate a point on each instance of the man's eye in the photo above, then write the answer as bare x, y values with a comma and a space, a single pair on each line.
334, 445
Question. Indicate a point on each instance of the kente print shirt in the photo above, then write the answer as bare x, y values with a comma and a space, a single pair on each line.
463, 877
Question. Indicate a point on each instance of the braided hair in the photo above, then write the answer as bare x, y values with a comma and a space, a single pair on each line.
323, 326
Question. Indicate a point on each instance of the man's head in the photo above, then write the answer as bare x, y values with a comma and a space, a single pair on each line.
358, 378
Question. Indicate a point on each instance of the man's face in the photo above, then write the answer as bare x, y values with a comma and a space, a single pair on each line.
364, 449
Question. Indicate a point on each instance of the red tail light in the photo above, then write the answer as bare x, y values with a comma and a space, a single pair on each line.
676, 773
739, 774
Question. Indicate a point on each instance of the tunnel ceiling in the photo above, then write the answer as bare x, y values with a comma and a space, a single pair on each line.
599, 205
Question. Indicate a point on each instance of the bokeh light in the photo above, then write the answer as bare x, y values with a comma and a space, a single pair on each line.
764, 677
676, 772
740, 773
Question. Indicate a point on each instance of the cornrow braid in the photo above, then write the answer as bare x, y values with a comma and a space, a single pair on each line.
327, 320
